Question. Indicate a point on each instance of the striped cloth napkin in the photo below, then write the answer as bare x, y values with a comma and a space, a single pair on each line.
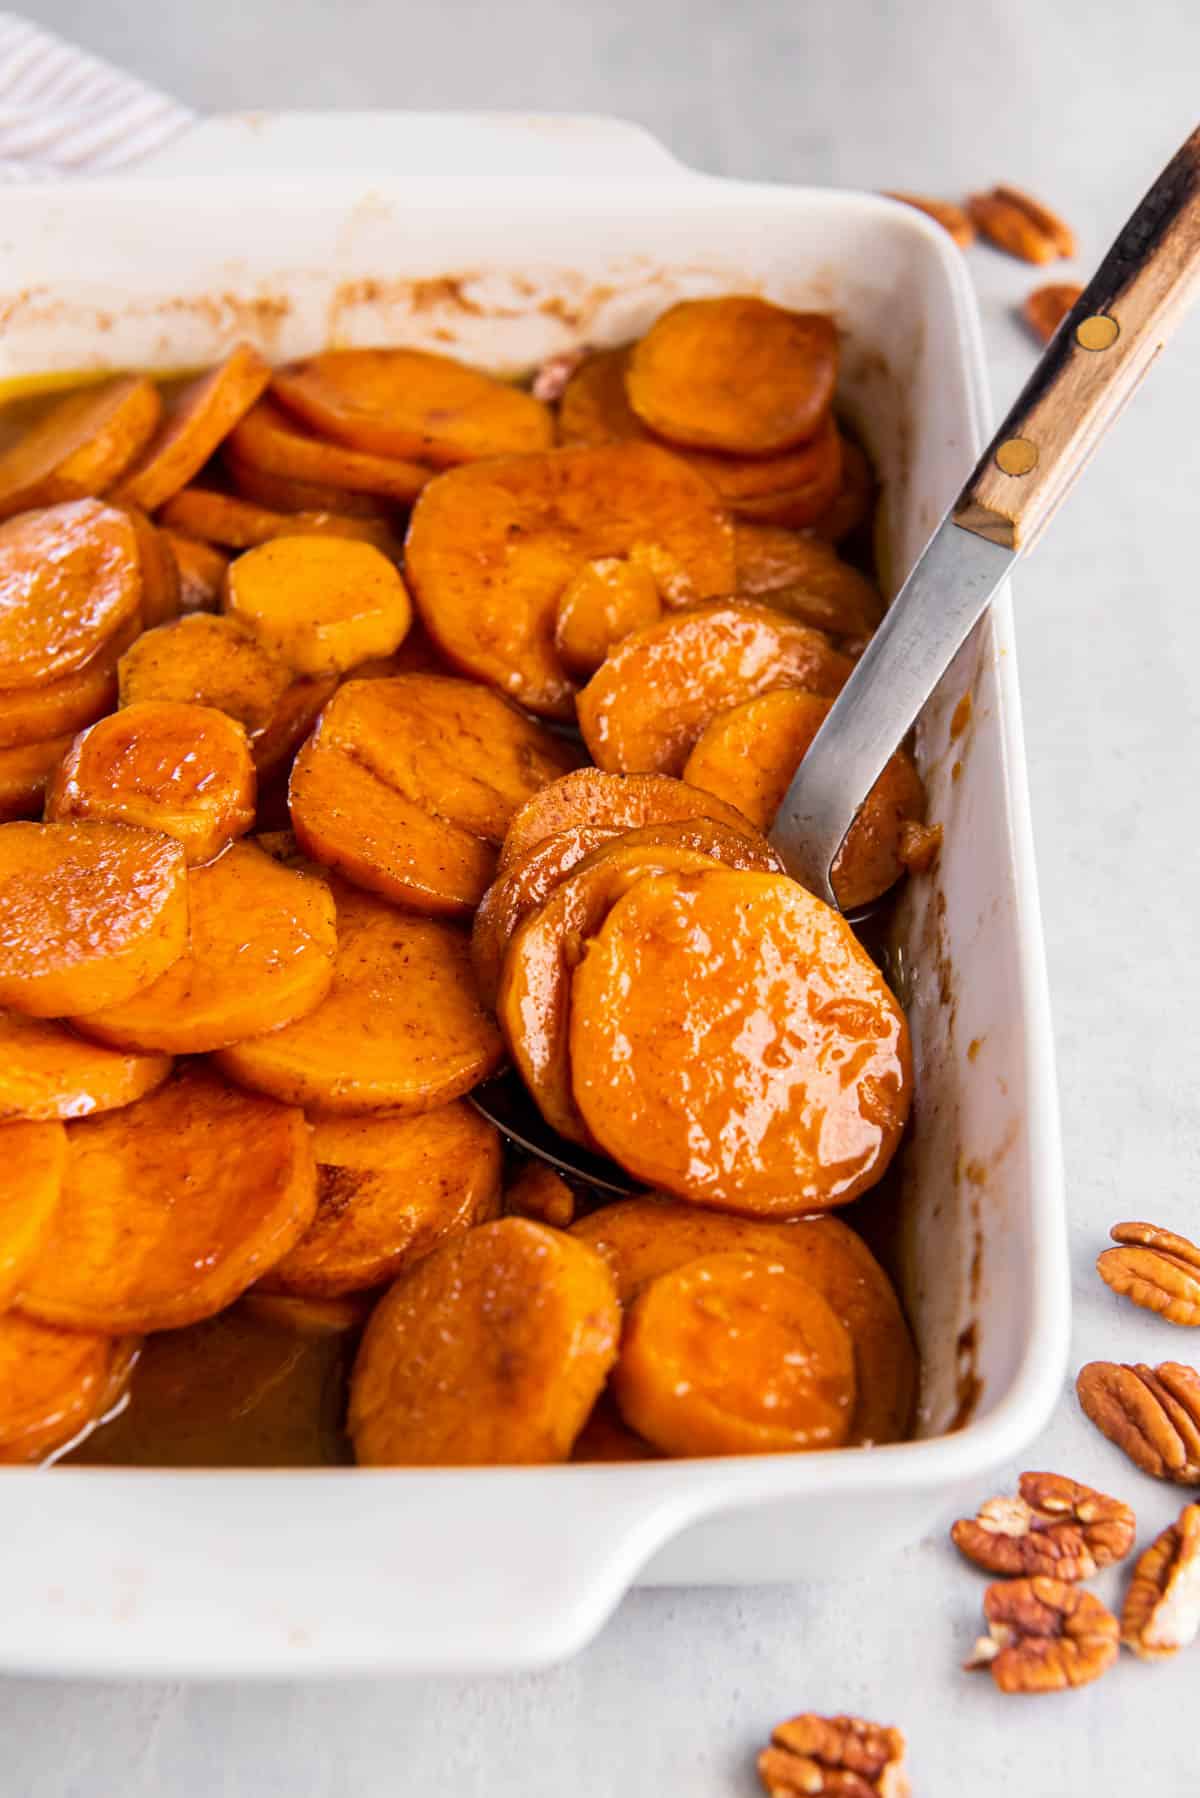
65, 112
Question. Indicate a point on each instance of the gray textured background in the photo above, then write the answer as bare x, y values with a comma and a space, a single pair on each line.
1082, 102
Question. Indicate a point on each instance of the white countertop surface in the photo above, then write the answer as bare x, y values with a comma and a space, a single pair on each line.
1082, 103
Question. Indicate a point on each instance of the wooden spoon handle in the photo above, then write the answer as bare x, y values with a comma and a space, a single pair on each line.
1093, 364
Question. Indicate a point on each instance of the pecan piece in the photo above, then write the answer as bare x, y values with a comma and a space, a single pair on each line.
1056, 1527
945, 213
1044, 1635
834, 1757
1162, 1606
1046, 307
1016, 222
1156, 1269
1153, 1413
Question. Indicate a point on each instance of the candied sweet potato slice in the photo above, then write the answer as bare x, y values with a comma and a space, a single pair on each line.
607, 1437
270, 491
47, 1072
644, 709
595, 409
533, 1004
604, 602
401, 1030
25, 772
260, 954
389, 1190
198, 420
320, 603
63, 706
492, 546
53, 1384
91, 913
491, 1352
806, 578
172, 1207
158, 569
240, 524
644, 1238
293, 719
411, 403
33, 1159
735, 373
748, 756
206, 661
803, 1087
852, 505
613, 802
734, 1354
268, 439
185, 769
69, 580
201, 570
80, 446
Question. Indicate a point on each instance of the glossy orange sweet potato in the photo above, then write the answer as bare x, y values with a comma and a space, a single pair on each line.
63, 706
595, 409
733, 1354
81, 445
268, 439
533, 1004
491, 547
613, 802
402, 402
33, 1160
308, 1317
279, 493
604, 602
401, 1030
289, 725
607, 1437
240, 524
200, 417
644, 709
852, 504
158, 569
206, 661
491, 1352
806, 578
48, 1072
201, 570
24, 775
92, 913
260, 954
735, 374
172, 1207
69, 580
803, 1087
537, 1192
54, 1383
748, 756
319, 603
184, 769
389, 1190
644, 1238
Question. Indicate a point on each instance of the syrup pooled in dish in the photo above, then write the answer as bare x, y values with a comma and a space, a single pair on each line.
363, 723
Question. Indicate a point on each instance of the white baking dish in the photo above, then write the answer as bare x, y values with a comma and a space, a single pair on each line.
544, 233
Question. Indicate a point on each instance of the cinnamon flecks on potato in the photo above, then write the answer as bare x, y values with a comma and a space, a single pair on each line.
270, 441
206, 661
319, 603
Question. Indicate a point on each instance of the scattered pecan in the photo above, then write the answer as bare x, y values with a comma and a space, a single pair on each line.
920, 845
842, 1757
1162, 1606
950, 217
1016, 222
550, 379
1156, 1269
1046, 307
1055, 1527
1153, 1413
1044, 1635
538, 1192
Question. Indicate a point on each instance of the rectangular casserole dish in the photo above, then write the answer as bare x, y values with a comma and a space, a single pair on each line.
504, 240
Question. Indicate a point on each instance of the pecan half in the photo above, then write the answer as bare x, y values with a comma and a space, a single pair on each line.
1156, 1269
1044, 1635
1153, 1413
950, 217
834, 1757
1056, 1527
1016, 222
1046, 307
1162, 1606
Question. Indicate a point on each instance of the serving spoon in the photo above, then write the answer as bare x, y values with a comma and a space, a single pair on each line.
1090, 369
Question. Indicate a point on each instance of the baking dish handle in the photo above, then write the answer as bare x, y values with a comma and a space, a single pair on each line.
556, 146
